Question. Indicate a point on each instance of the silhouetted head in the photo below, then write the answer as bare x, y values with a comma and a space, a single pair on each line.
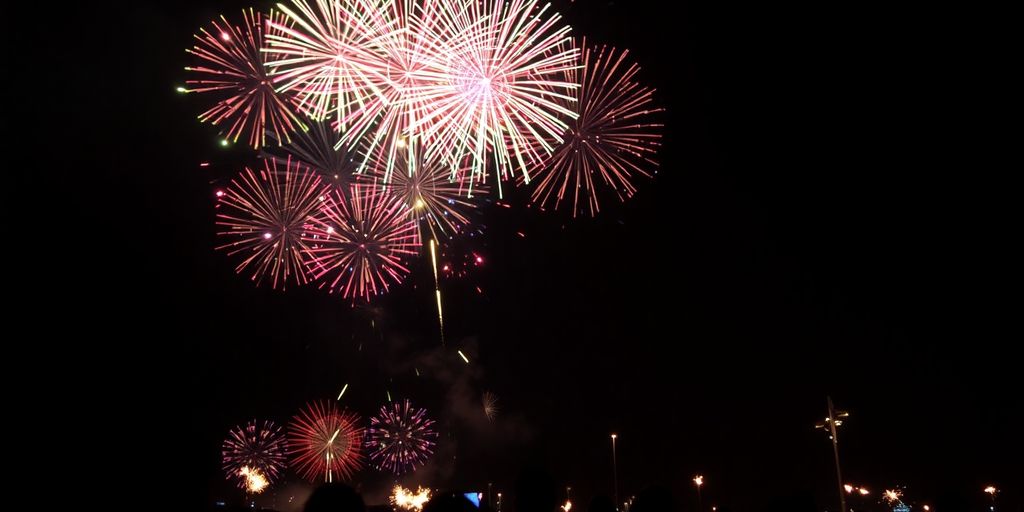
334, 498
449, 503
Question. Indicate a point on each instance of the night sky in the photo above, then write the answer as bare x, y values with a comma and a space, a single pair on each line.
823, 223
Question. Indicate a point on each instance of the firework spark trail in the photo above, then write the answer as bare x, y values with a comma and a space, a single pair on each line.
326, 441
257, 446
232, 67
613, 138
400, 437
358, 242
264, 215
491, 88
490, 402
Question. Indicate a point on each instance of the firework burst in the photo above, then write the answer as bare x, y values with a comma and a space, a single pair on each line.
263, 216
493, 85
315, 148
490, 403
400, 437
357, 245
329, 56
256, 448
326, 442
612, 139
232, 67
429, 189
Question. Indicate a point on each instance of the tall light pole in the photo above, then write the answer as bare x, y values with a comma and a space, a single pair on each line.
833, 420
615, 473
699, 481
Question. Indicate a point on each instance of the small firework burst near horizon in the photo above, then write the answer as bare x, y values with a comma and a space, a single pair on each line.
405, 499
400, 437
257, 447
326, 442
360, 241
254, 481
613, 139
231, 67
262, 216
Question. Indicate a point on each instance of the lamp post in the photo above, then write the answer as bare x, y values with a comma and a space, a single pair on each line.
615, 473
833, 420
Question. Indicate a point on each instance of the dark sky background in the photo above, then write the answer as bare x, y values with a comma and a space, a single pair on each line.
824, 223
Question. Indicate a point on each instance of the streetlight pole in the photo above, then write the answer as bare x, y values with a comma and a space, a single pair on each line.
615, 473
832, 421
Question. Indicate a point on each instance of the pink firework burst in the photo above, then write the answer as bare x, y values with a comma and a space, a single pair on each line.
358, 242
428, 188
326, 442
329, 56
495, 85
263, 216
257, 445
612, 140
400, 437
232, 67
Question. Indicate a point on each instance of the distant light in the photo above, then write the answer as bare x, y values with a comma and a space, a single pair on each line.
926, 508
267, 236
698, 480
479, 259
220, 193
224, 142
614, 436
863, 491
848, 487
181, 89
991, 490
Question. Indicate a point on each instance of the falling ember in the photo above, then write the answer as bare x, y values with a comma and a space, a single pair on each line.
407, 500
255, 482
567, 506
463, 356
342, 391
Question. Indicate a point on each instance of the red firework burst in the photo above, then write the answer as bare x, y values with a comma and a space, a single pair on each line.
263, 216
232, 66
257, 445
358, 242
326, 442
612, 140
